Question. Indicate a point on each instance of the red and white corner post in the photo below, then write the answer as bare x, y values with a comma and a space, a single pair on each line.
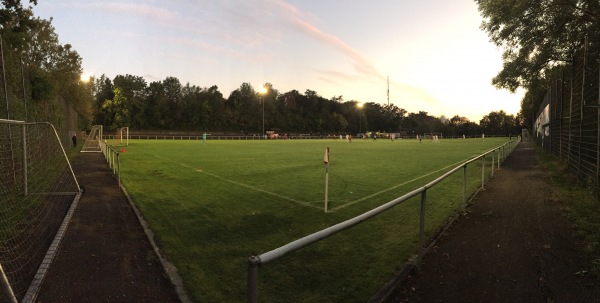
326, 162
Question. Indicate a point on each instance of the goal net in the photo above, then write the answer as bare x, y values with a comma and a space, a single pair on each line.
432, 136
122, 136
39, 193
92, 141
525, 136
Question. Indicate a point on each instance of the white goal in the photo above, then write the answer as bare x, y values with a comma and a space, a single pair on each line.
39, 194
432, 136
92, 140
122, 136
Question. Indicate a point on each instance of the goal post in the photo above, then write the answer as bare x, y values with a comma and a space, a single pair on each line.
92, 140
123, 136
432, 135
39, 191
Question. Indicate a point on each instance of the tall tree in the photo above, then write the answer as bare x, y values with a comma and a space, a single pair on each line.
537, 35
117, 110
499, 123
133, 89
18, 21
103, 90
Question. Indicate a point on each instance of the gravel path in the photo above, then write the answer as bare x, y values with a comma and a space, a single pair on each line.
515, 245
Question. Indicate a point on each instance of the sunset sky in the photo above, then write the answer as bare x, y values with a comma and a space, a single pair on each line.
436, 57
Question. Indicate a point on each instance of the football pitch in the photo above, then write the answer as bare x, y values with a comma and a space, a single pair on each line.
214, 205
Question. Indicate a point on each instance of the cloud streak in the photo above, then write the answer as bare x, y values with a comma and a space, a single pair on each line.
298, 20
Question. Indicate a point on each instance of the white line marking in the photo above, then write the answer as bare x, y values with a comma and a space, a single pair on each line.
393, 187
233, 182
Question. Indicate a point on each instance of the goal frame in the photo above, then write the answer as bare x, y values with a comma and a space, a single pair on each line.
430, 135
92, 141
123, 133
25, 165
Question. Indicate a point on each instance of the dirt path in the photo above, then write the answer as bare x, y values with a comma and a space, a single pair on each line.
105, 255
515, 245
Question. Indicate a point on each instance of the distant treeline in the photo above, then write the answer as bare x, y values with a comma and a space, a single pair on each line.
128, 100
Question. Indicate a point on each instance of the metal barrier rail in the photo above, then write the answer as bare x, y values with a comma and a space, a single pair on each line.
240, 137
112, 157
254, 262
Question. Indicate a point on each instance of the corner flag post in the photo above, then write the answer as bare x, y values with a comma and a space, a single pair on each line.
326, 162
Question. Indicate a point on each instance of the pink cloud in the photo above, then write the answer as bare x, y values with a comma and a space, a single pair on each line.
295, 17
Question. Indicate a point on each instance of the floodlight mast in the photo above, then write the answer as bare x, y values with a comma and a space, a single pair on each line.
263, 91
388, 90
360, 105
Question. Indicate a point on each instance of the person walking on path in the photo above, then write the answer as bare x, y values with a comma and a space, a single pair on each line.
513, 245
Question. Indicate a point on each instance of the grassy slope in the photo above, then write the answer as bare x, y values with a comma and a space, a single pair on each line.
214, 205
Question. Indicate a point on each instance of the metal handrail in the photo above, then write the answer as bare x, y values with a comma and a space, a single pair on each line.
254, 262
112, 157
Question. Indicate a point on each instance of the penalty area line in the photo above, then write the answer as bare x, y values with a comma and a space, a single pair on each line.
233, 182
393, 187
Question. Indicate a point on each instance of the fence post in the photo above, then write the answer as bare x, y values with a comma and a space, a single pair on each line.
482, 171
8, 291
422, 227
253, 264
464, 186
493, 162
499, 156
25, 186
119, 169
598, 133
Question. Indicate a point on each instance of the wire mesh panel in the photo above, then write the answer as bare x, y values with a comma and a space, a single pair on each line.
92, 141
37, 187
575, 115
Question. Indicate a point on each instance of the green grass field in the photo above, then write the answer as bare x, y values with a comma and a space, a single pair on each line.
212, 206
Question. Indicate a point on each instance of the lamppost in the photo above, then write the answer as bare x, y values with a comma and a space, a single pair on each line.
360, 106
262, 92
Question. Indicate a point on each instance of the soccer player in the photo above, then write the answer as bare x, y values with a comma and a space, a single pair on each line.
204, 138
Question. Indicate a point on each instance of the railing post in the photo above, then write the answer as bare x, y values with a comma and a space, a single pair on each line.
493, 162
8, 291
482, 171
499, 156
464, 186
25, 181
422, 227
119, 169
253, 264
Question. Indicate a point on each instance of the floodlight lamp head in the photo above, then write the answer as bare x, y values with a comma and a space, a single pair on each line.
263, 90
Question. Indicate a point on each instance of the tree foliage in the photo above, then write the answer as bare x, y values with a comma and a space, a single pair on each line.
42, 76
168, 105
537, 36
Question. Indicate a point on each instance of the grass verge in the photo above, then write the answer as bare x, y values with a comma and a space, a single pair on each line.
581, 204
